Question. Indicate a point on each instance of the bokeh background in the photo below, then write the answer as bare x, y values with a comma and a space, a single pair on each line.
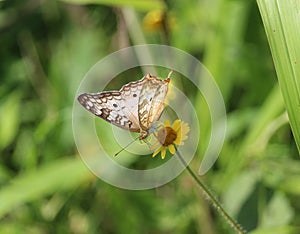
46, 49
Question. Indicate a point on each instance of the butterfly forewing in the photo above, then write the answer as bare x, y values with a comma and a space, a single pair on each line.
130, 94
109, 106
151, 100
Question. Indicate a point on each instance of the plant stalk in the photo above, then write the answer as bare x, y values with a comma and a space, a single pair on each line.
217, 205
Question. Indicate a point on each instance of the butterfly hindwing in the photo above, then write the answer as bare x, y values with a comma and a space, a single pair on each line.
158, 105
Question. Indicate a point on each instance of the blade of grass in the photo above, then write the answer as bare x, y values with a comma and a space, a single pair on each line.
138, 4
62, 174
282, 24
271, 108
227, 37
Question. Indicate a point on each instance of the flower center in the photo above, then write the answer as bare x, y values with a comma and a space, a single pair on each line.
166, 136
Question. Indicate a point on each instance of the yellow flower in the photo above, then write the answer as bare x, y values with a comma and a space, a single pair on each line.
168, 136
157, 20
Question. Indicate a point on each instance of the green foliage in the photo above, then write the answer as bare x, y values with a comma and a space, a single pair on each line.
281, 22
140, 5
62, 174
47, 48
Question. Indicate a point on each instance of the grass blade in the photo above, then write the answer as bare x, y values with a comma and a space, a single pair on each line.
282, 24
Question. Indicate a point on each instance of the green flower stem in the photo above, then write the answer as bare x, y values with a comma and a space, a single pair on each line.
238, 228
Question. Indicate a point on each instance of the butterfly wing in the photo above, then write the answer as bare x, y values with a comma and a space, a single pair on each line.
158, 105
151, 100
134, 107
111, 107
130, 94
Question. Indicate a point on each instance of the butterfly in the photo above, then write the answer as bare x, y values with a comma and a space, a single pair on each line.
135, 107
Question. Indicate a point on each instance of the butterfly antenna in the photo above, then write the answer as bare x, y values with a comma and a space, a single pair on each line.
169, 75
116, 154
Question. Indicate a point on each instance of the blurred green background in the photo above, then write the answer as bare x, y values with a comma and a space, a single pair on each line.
46, 49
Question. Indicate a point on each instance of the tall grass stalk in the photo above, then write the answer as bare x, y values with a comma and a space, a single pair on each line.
281, 20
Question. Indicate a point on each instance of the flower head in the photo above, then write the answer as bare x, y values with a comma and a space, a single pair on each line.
168, 136
157, 20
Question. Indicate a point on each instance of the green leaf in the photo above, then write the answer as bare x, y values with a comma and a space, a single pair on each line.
277, 230
9, 119
239, 191
291, 185
138, 4
62, 174
278, 212
282, 24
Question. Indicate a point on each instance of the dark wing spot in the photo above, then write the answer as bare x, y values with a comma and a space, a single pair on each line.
129, 123
134, 95
150, 99
115, 105
105, 113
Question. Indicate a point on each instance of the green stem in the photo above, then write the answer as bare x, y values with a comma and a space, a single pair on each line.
212, 198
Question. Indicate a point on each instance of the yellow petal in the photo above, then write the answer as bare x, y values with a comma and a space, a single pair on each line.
157, 151
176, 125
163, 152
179, 133
167, 123
185, 128
180, 140
182, 134
172, 149
177, 140
183, 138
